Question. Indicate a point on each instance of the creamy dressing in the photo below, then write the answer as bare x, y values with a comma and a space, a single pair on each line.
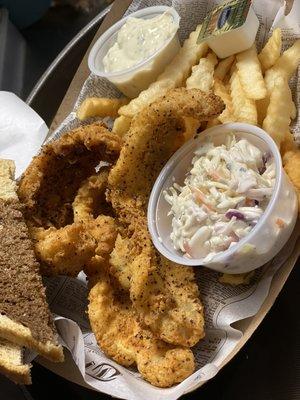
137, 40
223, 197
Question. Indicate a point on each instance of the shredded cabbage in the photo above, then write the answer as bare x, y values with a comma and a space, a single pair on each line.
222, 199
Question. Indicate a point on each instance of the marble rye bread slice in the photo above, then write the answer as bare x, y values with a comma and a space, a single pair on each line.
11, 363
25, 318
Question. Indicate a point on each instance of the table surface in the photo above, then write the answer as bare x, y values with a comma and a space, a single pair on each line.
267, 368
47, 37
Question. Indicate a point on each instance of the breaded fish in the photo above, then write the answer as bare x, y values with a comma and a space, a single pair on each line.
90, 199
49, 188
168, 304
164, 294
121, 336
63, 251
90, 207
51, 182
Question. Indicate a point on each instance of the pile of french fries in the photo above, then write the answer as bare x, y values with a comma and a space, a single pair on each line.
254, 87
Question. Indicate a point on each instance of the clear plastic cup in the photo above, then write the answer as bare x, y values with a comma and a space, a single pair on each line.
267, 237
133, 80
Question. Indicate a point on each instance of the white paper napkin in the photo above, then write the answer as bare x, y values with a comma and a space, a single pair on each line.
22, 131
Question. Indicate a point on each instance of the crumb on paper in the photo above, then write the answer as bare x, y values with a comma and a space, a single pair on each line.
236, 279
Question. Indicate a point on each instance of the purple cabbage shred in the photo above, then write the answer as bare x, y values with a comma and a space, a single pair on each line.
236, 214
266, 157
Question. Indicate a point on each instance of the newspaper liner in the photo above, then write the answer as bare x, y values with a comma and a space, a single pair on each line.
225, 305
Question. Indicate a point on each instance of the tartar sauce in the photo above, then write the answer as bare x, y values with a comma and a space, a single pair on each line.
137, 40
223, 197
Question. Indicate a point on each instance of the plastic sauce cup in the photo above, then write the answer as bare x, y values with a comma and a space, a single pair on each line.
133, 80
267, 237
230, 28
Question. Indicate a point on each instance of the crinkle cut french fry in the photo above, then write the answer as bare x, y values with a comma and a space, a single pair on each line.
284, 67
100, 107
291, 161
221, 91
287, 145
250, 74
289, 60
293, 110
244, 108
173, 76
237, 279
223, 68
271, 51
278, 119
272, 76
231, 71
121, 125
262, 107
202, 76
263, 104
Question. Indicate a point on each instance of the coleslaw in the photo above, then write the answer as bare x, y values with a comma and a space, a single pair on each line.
223, 197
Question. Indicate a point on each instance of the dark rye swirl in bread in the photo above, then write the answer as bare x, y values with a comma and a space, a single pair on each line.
25, 318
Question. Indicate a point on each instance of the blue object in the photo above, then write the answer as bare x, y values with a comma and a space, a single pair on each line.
23, 13
225, 14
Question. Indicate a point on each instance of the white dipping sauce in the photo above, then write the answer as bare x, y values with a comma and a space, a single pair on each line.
137, 40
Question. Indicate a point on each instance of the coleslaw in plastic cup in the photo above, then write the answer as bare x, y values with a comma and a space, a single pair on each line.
266, 238
133, 80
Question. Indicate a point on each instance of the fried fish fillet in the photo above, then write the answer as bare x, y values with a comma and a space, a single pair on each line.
67, 250
50, 183
48, 189
155, 133
121, 336
90, 200
63, 251
164, 295
91, 208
